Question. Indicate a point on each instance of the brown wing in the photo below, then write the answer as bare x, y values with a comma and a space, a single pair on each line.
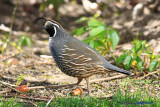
80, 60
80, 53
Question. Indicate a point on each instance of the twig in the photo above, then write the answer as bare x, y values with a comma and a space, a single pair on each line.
156, 77
51, 86
9, 78
7, 84
112, 55
3, 83
3, 92
49, 101
147, 75
12, 18
107, 79
59, 86
31, 102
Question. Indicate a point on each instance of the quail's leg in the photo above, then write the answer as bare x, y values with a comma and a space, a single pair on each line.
79, 81
88, 85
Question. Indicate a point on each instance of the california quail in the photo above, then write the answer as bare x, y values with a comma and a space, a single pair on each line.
74, 57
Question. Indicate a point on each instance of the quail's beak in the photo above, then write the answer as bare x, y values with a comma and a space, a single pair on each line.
44, 27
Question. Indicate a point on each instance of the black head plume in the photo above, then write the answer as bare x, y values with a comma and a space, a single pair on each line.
38, 19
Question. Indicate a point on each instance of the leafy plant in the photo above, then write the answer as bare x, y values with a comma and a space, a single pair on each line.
99, 36
19, 79
140, 98
5, 41
23, 41
140, 56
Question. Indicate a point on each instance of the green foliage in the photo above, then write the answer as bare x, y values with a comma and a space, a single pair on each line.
97, 34
127, 61
140, 56
10, 103
139, 98
113, 37
153, 65
23, 41
4, 44
19, 79
121, 58
56, 3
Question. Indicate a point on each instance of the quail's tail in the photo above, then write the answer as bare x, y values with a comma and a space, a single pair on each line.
117, 69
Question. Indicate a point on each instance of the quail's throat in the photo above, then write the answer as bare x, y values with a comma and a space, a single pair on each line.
51, 31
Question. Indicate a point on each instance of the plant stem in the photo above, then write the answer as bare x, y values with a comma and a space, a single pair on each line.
12, 18
112, 55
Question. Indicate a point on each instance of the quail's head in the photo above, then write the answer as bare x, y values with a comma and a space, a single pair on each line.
50, 26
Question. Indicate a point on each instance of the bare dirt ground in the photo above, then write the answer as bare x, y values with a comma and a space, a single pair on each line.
29, 67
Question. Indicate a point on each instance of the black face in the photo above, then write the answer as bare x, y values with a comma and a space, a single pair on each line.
50, 26
51, 30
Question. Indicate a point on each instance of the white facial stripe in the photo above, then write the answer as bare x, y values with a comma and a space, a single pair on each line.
54, 23
55, 31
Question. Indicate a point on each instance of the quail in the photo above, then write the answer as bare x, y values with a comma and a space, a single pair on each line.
74, 57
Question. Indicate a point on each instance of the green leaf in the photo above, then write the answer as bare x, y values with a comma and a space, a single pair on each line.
127, 61
121, 58
4, 46
79, 31
158, 56
92, 44
21, 41
87, 40
101, 36
82, 19
100, 43
25, 41
139, 65
96, 15
153, 65
97, 31
6, 36
137, 46
138, 59
28, 41
114, 38
96, 43
94, 23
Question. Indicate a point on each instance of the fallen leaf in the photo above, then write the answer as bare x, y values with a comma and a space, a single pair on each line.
77, 91
23, 88
13, 61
